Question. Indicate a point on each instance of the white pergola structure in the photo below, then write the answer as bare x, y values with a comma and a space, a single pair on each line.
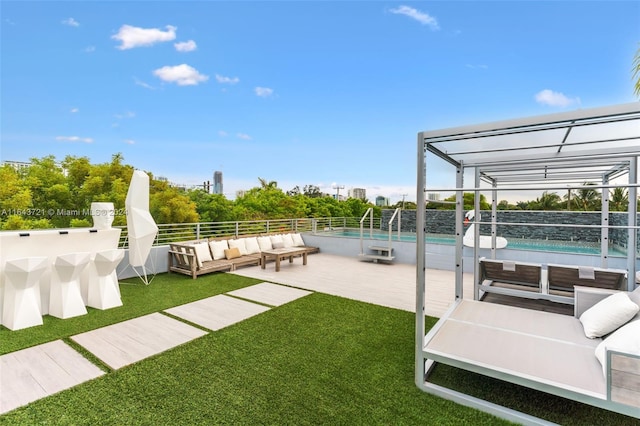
545, 153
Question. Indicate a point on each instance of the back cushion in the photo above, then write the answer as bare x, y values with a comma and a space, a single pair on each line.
264, 243
240, 245
218, 248
202, 253
297, 240
252, 246
276, 240
288, 241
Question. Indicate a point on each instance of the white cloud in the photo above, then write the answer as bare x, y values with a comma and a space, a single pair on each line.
71, 22
136, 37
182, 75
90, 49
222, 133
226, 80
423, 18
74, 110
551, 98
244, 136
185, 46
127, 114
74, 139
263, 92
129, 141
143, 84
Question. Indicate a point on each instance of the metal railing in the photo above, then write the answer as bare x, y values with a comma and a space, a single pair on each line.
175, 232
368, 218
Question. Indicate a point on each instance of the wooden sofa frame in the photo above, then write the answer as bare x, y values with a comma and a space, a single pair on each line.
183, 260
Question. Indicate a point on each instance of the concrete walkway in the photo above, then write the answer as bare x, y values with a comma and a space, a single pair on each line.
390, 285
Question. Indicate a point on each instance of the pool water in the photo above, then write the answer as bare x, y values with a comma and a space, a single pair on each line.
514, 244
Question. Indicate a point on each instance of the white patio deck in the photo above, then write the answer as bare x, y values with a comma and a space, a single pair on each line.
391, 285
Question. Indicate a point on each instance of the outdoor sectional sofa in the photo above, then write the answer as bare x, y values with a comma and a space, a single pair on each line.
200, 257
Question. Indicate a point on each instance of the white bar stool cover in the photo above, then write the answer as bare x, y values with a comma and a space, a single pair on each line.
104, 291
65, 299
21, 304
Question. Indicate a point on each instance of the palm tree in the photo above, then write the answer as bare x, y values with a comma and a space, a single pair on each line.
266, 185
619, 200
587, 199
547, 201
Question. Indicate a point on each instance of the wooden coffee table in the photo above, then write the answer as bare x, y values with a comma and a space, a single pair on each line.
282, 253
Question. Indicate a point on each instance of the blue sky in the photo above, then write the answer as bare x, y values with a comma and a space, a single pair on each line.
320, 93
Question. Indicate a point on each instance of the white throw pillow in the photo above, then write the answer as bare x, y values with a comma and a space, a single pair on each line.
608, 314
287, 240
218, 248
625, 339
202, 253
264, 243
297, 240
252, 245
240, 245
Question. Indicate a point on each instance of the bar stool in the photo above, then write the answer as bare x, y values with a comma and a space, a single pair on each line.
21, 302
65, 299
103, 291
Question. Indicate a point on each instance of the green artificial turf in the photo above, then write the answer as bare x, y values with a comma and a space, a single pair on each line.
165, 291
318, 360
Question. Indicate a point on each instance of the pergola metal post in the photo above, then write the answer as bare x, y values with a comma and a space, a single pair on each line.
459, 230
476, 235
604, 223
494, 218
632, 243
420, 262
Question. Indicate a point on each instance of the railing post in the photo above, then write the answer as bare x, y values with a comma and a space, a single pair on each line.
237, 229
198, 231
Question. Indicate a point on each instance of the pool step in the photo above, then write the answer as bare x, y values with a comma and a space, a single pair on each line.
380, 253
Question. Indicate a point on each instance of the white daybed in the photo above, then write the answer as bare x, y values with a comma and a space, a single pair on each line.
540, 350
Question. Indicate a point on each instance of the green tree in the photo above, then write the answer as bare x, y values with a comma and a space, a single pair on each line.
468, 202
211, 207
619, 200
14, 194
170, 205
587, 199
547, 201
312, 191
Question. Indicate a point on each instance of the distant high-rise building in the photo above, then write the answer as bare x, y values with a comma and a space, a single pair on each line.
382, 201
358, 193
433, 196
217, 182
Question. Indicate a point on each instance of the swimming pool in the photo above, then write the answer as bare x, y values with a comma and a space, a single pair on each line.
514, 244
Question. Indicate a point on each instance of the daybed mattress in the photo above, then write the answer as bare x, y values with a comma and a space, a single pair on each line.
540, 346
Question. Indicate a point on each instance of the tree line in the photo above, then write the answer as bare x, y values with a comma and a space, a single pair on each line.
52, 194
579, 199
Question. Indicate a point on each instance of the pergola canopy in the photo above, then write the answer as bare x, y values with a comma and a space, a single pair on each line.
576, 146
